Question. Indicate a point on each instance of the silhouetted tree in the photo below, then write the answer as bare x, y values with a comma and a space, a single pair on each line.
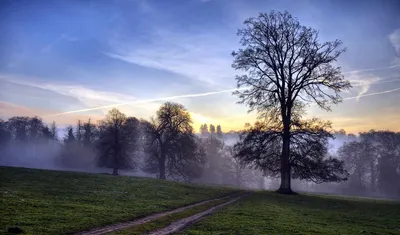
214, 149
388, 167
118, 141
355, 154
235, 169
69, 137
219, 132
90, 134
260, 146
212, 130
286, 65
204, 130
5, 137
169, 142
18, 127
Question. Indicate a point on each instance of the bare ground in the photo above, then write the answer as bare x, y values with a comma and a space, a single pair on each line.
115, 227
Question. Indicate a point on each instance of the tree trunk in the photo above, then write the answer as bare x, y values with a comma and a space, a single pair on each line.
115, 171
285, 186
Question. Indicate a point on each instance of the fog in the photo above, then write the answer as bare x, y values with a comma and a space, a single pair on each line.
52, 154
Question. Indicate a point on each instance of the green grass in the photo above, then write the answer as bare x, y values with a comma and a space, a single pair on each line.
167, 220
271, 213
56, 202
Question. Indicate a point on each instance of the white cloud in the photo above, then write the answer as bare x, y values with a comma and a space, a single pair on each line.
394, 38
202, 57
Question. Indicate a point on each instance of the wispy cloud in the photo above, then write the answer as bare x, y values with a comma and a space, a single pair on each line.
63, 37
372, 94
394, 38
8, 110
88, 97
146, 101
203, 57
371, 69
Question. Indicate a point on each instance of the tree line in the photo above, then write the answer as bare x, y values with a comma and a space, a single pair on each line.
373, 161
166, 146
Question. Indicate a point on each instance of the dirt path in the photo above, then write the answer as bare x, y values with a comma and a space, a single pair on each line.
115, 227
184, 223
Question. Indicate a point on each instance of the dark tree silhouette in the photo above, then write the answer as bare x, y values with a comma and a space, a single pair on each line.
388, 167
286, 65
5, 137
118, 141
214, 148
219, 132
204, 130
170, 143
69, 136
357, 157
261, 147
235, 169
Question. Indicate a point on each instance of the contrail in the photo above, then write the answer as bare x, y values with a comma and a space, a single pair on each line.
372, 94
374, 69
144, 101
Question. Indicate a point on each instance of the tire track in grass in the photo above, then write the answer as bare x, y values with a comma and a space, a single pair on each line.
181, 224
119, 226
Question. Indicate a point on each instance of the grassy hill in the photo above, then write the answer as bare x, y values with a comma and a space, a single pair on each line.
271, 213
57, 202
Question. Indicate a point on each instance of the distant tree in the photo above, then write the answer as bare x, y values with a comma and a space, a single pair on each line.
90, 134
388, 166
219, 132
236, 170
371, 152
260, 147
170, 144
356, 156
5, 137
18, 127
287, 65
53, 131
214, 150
79, 131
212, 130
204, 130
118, 141
69, 137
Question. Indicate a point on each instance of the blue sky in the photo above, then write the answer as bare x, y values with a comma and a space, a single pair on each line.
60, 56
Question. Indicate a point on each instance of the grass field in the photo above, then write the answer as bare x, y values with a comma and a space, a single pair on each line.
271, 213
56, 202
165, 221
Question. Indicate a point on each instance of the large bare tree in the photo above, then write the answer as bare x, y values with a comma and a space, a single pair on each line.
285, 65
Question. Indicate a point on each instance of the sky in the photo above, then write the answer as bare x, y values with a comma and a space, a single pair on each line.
76, 59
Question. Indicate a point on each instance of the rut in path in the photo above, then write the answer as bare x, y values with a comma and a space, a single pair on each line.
185, 222
115, 227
